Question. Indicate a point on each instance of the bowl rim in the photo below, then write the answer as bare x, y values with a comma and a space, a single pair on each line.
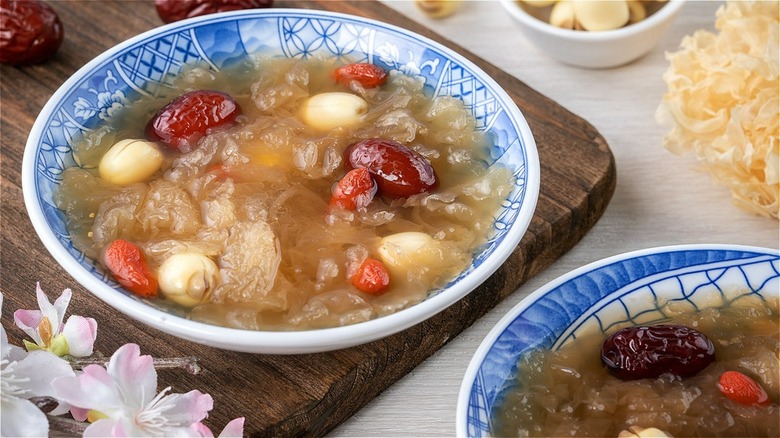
269, 341
667, 11
480, 354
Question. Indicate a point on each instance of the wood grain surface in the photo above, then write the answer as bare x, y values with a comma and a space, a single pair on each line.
301, 394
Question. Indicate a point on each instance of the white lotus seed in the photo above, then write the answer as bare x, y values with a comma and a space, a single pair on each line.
539, 3
130, 161
636, 11
640, 432
598, 15
331, 110
438, 8
401, 249
562, 15
188, 278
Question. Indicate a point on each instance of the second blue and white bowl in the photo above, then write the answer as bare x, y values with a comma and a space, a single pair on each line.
632, 287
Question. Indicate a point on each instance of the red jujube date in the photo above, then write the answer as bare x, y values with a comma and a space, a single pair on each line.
175, 10
648, 351
398, 171
30, 32
181, 123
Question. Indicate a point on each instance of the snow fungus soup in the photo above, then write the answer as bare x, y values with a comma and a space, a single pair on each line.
286, 194
710, 373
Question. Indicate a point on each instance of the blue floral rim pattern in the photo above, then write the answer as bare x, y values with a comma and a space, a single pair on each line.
631, 288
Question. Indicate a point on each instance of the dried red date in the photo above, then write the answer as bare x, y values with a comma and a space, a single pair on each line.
398, 171
30, 32
175, 10
369, 75
181, 123
648, 351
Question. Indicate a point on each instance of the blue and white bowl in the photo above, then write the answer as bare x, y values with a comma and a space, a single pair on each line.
626, 288
145, 65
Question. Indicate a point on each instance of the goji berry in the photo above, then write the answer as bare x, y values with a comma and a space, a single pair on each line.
372, 277
128, 266
355, 190
742, 389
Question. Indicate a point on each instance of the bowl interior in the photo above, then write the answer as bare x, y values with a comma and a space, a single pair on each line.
627, 288
538, 20
145, 65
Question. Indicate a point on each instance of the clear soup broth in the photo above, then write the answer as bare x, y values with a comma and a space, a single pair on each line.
254, 198
568, 392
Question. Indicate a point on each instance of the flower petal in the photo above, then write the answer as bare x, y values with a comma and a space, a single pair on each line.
11, 352
8, 351
106, 428
80, 332
22, 418
5, 347
61, 304
38, 369
186, 409
28, 320
202, 430
134, 375
92, 389
50, 311
80, 414
234, 429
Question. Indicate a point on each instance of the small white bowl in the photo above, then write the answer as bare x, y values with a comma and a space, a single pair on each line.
597, 49
144, 63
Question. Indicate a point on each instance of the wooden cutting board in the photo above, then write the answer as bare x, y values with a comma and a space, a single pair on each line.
305, 394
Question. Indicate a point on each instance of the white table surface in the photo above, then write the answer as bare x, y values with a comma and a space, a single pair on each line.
659, 200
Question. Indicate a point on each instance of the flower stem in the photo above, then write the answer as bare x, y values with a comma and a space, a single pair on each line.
189, 363
67, 426
44, 403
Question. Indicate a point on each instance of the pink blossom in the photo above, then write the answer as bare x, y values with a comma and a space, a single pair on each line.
234, 429
45, 326
23, 376
122, 399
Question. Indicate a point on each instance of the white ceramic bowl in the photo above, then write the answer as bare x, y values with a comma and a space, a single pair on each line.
601, 49
627, 287
142, 64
